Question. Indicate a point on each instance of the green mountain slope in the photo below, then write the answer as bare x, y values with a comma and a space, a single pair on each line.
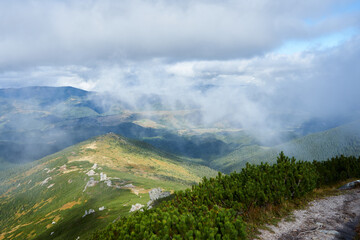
50, 119
47, 199
321, 146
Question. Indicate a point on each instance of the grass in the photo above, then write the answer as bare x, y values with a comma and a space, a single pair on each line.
28, 208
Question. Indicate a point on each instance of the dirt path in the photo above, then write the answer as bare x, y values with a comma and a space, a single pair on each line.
334, 217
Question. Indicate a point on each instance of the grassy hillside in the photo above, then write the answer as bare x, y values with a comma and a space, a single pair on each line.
47, 199
321, 146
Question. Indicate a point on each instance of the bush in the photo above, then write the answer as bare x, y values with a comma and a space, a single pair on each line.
213, 208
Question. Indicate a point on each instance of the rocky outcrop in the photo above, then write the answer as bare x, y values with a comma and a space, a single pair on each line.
88, 212
103, 177
350, 185
91, 173
45, 181
155, 194
90, 183
108, 183
136, 207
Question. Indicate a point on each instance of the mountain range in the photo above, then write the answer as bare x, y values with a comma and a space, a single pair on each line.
73, 161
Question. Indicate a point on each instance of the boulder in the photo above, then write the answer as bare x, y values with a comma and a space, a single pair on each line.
103, 177
91, 173
108, 183
90, 183
155, 194
350, 185
136, 207
88, 212
45, 181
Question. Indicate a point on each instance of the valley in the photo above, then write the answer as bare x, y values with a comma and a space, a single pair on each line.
70, 166
181, 120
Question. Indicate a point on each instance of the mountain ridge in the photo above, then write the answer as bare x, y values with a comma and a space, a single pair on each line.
110, 171
344, 140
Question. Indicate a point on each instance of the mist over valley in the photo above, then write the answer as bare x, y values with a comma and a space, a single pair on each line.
178, 119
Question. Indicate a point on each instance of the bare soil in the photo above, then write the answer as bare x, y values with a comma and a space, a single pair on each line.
334, 217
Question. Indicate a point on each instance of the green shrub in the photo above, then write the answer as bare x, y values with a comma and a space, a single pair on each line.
213, 208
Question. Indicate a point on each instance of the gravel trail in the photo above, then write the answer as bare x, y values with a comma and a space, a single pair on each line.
333, 217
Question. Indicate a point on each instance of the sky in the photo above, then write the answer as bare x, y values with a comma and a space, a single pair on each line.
252, 61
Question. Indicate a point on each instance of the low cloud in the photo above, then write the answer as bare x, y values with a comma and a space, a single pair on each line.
38, 33
210, 55
266, 93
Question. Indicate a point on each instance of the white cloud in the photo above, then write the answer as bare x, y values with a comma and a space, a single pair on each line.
35, 33
215, 54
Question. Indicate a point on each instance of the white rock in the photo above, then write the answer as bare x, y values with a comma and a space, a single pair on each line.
51, 185
94, 166
350, 185
49, 171
103, 177
101, 208
53, 222
51, 233
156, 193
108, 183
63, 167
136, 207
90, 183
91, 173
88, 212
45, 181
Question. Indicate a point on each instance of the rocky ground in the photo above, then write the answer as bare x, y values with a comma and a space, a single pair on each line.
334, 217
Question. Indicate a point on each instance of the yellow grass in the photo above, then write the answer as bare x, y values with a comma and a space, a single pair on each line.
19, 234
70, 205
32, 234
119, 158
91, 146
13, 229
